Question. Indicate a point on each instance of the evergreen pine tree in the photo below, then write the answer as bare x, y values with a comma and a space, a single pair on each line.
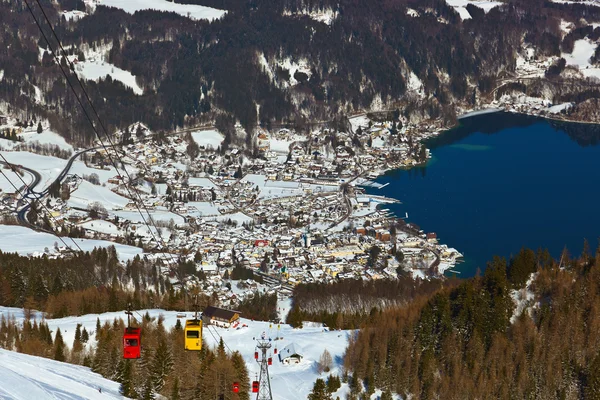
242, 376
98, 327
175, 392
319, 391
39, 127
148, 389
59, 347
162, 365
85, 336
126, 378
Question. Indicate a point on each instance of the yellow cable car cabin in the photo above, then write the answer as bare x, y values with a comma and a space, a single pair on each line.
193, 334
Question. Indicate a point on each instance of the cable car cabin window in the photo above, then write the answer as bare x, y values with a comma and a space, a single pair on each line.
131, 342
193, 334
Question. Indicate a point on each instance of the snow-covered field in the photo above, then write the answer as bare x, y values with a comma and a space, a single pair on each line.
94, 69
288, 382
88, 193
208, 139
48, 167
187, 10
326, 16
202, 209
5, 184
157, 215
24, 377
583, 50
26, 241
46, 137
461, 6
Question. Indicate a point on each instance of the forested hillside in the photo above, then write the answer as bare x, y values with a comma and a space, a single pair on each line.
269, 61
475, 341
348, 303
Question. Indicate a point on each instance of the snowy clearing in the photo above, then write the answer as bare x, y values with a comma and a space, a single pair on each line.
48, 167
24, 377
461, 6
5, 184
157, 215
362, 121
326, 16
187, 10
25, 241
46, 137
208, 139
583, 50
88, 193
73, 15
101, 226
95, 69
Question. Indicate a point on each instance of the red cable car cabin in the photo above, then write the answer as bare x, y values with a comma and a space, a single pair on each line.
270, 361
236, 387
132, 343
255, 387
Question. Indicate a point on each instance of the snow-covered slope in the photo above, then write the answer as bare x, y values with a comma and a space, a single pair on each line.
288, 382
461, 6
24, 377
27, 241
187, 10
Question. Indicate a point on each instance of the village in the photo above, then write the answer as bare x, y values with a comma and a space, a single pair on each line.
295, 211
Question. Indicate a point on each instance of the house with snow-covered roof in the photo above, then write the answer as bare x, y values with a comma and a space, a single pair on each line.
291, 354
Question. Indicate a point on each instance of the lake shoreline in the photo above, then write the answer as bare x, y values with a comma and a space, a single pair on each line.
385, 178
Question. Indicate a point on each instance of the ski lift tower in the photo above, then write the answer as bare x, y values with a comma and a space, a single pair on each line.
264, 392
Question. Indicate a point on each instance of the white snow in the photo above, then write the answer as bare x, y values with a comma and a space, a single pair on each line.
46, 137
583, 50
559, 108
187, 10
361, 120
73, 15
48, 167
5, 184
202, 209
461, 6
326, 16
523, 298
88, 193
202, 182
208, 139
101, 226
94, 69
26, 241
583, 2
289, 382
280, 145
157, 215
25, 377
412, 12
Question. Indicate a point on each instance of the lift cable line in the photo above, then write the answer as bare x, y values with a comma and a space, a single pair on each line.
89, 119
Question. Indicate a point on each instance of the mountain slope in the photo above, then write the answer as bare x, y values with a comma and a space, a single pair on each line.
24, 377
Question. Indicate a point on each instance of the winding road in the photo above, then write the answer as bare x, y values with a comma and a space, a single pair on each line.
31, 194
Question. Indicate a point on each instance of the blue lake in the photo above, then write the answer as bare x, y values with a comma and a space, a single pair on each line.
500, 182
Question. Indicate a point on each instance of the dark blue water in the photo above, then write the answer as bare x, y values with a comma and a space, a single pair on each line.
524, 182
